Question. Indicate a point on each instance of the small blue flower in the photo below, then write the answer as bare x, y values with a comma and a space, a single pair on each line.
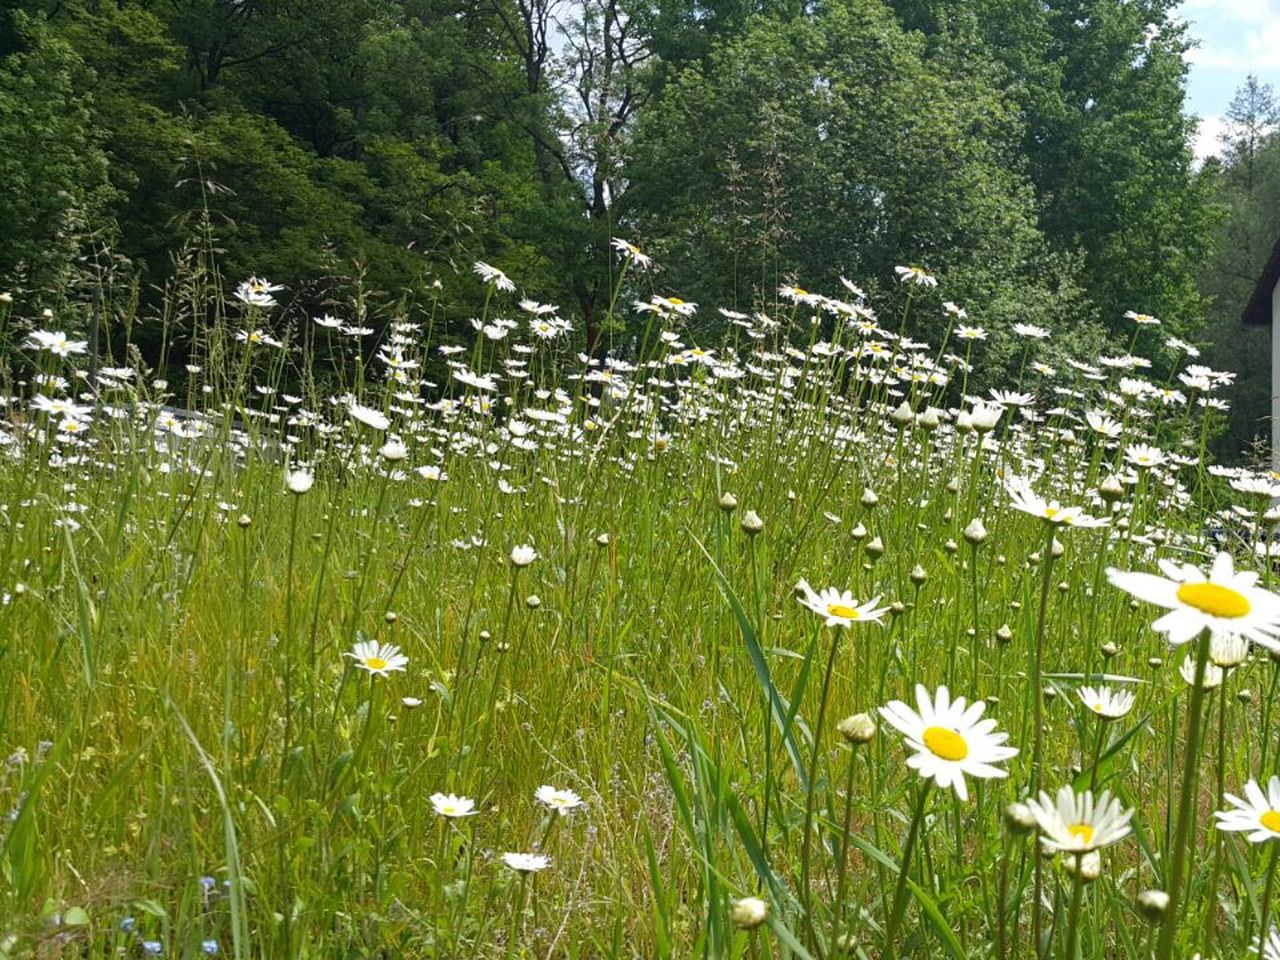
210, 947
128, 924
207, 884
152, 948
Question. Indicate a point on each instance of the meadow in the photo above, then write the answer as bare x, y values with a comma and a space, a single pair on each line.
389, 644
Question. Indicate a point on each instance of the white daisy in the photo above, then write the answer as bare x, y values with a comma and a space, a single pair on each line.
526, 862
1108, 704
378, 658
839, 607
1213, 674
452, 807
1222, 601
1074, 823
368, 416
950, 739
561, 801
1023, 498
1257, 813
1268, 949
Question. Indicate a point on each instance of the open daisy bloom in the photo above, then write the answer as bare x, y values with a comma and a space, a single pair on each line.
839, 607
526, 862
452, 807
1222, 601
1023, 498
1106, 703
1257, 813
1074, 823
1268, 949
950, 739
378, 658
561, 801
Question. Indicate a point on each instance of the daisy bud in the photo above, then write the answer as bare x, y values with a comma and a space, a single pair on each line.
1159, 537
929, 421
299, 482
869, 498
410, 703
485, 636
1109, 649
749, 913
902, 415
1088, 867
522, 556
1245, 696
1019, 819
948, 516
393, 451
859, 728
1155, 663
975, 532
533, 601
244, 520
1063, 587
953, 485
1004, 634
390, 616
1111, 489
1058, 549
859, 532
875, 548
1152, 904
964, 422
1001, 560
897, 608
951, 546
918, 575
1050, 694
751, 523
728, 502
602, 539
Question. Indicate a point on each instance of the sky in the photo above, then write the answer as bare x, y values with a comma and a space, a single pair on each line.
1236, 38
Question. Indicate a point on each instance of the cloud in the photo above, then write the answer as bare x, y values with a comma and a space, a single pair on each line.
1207, 141
1238, 11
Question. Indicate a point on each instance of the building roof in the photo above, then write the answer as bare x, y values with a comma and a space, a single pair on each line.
1257, 312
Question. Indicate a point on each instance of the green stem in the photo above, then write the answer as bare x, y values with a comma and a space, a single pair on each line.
1186, 803
900, 891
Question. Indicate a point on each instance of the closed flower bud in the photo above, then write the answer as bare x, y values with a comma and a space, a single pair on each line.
902, 415
751, 523
533, 601
918, 575
951, 546
299, 481
244, 519
1019, 819
975, 532
929, 421
859, 532
728, 502
1109, 649
869, 498
875, 548
602, 539
1152, 904
1004, 634
897, 608
1111, 489
859, 728
749, 913
1058, 549
1245, 696
1087, 867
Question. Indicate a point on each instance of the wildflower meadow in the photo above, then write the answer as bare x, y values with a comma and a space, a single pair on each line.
802, 632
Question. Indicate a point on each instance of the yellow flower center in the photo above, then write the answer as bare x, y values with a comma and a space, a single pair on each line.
801, 292
1082, 832
1097, 707
841, 610
1271, 820
675, 301
946, 744
1214, 599
375, 663
1050, 512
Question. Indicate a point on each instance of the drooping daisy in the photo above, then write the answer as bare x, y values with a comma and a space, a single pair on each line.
526, 862
1268, 949
561, 801
1023, 498
370, 417
1075, 823
950, 738
453, 807
1213, 674
1257, 813
839, 607
378, 658
1221, 601
1108, 704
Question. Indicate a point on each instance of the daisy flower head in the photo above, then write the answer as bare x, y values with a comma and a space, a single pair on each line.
951, 739
375, 419
1213, 674
453, 807
491, 274
560, 801
57, 343
630, 250
1074, 823
1023, 498
1257, 813
1106, 703
1222, 601
526, 862
839, 607
916, 275
523, 555
379, 659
